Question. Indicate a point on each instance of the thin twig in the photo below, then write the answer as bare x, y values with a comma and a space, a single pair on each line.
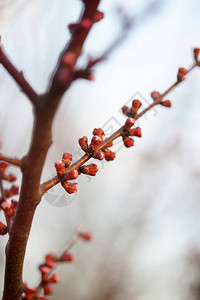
13, 161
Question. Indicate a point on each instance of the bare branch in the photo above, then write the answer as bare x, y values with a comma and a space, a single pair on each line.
18, 77
13, 161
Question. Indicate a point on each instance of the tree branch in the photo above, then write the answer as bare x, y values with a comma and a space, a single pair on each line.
18, 77
32, 163
75, 166
14, 161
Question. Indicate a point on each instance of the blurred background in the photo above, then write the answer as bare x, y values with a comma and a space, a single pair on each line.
143, 209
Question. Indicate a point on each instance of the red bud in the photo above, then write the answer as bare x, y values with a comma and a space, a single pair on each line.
128, 142
89, 170
181, 73
155, 95
196, 53
60, 167
83, 142
71, 175
67, 159
69, 187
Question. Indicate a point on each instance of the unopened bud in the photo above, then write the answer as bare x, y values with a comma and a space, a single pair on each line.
66, 256
7, 208
67, 159
95, 142
89, 170
155, 95
166, 103
136, 132
71, 175
136, 104
3, 229
126, 110
60, 167
129, 123
100, 155
128, 142
85, 236
99, 132
181, 74
69, 187
196, 53
98, 16
83, 142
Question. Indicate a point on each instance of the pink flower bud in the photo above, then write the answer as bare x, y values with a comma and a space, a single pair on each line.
181, 73
166, 103
66, 256
48, 289
60, 167
69, 59
69, 187
73, 174
196, 53
3, 167
89, 170
3, 229
126, 110
99, 132
86, 24
10, 177
129, 123
14, 204
85, 236
136, 132
109, 155
99, 155
67, 159
14, 190
136, 104
7, 208
53, 279
83, 142
51, 260
30, 293
95, 142
44, 270
98, 16
128, 142
155, 95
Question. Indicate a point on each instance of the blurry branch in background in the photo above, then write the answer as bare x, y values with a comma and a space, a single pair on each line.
51, 261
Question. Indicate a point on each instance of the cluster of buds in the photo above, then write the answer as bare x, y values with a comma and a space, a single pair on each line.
128, 131
92, 149
132, 111
64, 175
48, 277
7, 206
